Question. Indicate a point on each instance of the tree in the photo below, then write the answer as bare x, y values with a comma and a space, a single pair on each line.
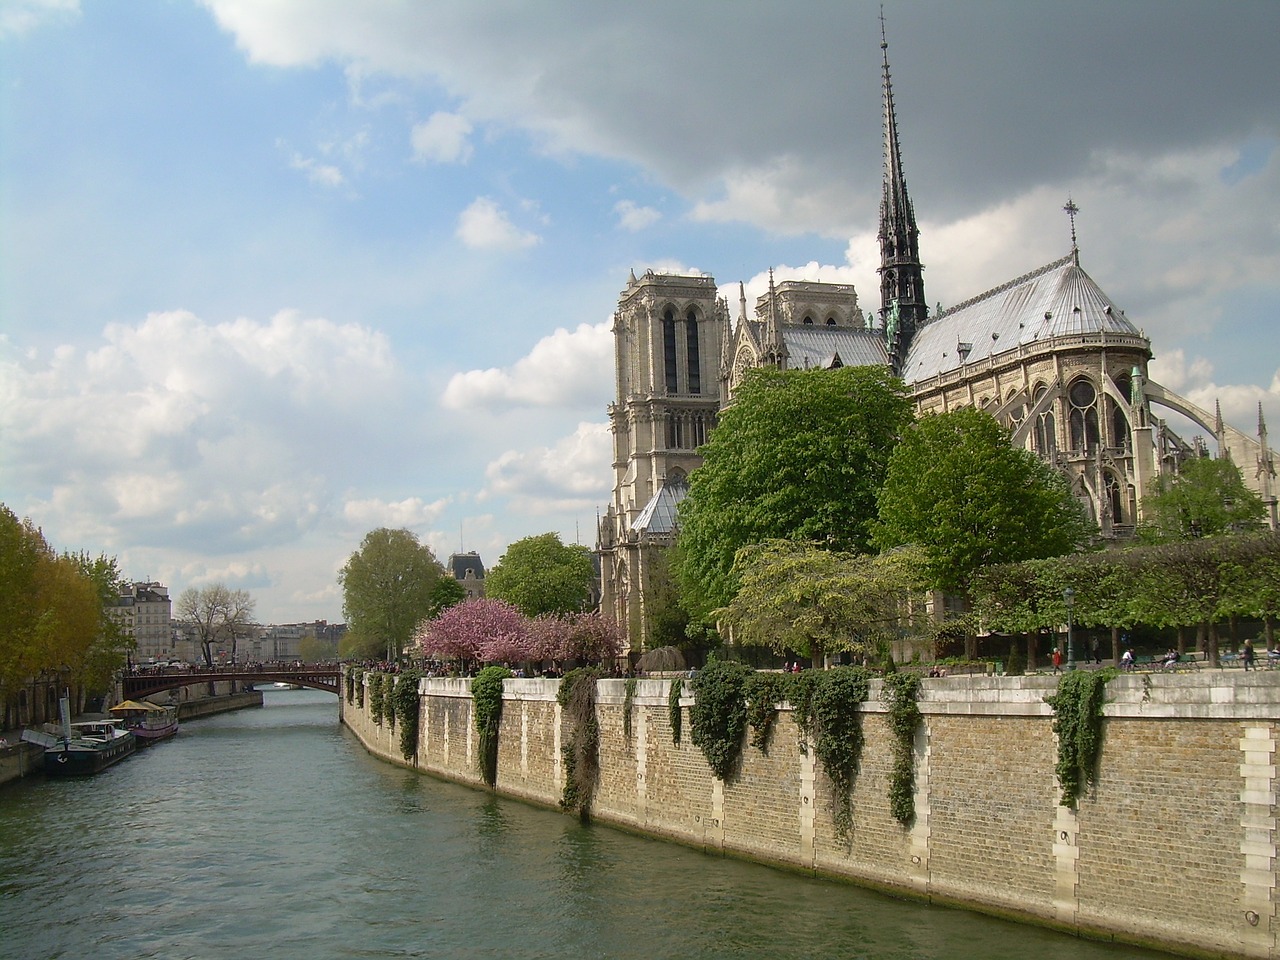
796, 597
484, 629
1205, 498
799, 456
387, 590
959, 489
218, 613
540, 575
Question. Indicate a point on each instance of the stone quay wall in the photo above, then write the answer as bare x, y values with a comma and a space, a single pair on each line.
1174, 847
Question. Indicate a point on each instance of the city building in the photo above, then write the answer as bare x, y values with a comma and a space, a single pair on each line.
468, 570
143, 610
1049, 354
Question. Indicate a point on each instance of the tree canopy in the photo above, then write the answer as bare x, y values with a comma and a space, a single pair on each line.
539, 574
960, 490
1205, 498
219, 614
388, 588
800, 455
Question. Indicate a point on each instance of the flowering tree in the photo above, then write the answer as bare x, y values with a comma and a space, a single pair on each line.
548, 637
592, 638
484, 629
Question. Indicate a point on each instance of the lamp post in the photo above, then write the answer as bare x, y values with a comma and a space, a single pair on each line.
1069, 596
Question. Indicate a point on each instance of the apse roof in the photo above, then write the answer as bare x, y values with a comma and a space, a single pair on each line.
1058, 300
659, 514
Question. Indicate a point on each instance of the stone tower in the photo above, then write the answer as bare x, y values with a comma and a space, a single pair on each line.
669, 334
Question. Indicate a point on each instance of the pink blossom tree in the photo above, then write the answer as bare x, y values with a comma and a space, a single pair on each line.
592, 638
484, 629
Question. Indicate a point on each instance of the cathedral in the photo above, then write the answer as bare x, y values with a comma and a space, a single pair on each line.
1048, 354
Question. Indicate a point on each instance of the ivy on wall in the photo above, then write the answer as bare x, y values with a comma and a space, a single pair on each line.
359, 675
719, 714
628, 703
837, 721
375, 698
900, 693
765, 693
580, 747
1077, 720
486, 694
674, 713
407, 706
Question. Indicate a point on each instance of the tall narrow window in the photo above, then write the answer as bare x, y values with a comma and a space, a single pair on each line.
691, 344
669, 350
1083, 415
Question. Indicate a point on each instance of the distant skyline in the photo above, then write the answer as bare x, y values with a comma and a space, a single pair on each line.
275, 274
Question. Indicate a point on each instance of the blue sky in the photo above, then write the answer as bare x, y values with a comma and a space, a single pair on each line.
274, 274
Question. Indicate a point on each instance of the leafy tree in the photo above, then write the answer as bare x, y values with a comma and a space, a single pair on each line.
799, 456
23, 553
388, 587
218, 613
798, 597
110, 645
1205, 498
540, 575
448, 592
960, 490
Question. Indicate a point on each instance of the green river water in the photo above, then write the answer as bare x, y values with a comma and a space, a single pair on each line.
272, 834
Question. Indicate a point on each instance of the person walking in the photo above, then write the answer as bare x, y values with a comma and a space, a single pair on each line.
1246, 655
1057, 659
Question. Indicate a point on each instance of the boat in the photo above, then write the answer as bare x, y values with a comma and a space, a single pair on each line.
149, 722
82, 748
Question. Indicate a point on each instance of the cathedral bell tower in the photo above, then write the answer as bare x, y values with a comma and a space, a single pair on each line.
903, 308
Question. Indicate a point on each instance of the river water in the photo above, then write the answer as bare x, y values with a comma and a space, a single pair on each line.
271, 833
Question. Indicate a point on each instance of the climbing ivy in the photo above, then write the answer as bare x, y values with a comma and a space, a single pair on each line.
900, 693
359, 675
674, 713
580, 747
375, 698
765, 693
837, 720
628, 701
800, 689
486, 694
407, 706
388, 699
719, 714
1077, 720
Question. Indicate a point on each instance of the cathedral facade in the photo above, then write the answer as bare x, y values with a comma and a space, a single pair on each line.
1048, 354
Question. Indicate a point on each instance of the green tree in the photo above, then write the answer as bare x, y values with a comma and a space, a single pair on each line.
541, 575
799, 456
387, 590
108, 648
447, 593
1205, 498
960, 490
23, 551
796, 597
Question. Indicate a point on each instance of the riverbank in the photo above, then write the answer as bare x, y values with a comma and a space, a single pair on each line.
1173, 847
18, 759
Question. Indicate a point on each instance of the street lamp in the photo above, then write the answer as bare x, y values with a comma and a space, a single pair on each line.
1069, 596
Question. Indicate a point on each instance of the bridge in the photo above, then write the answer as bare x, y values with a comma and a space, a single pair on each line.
318, 677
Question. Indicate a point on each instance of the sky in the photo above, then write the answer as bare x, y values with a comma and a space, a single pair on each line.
275, 273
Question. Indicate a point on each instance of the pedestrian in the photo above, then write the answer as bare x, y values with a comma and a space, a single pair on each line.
1247, 654
1095, 649
1057, 660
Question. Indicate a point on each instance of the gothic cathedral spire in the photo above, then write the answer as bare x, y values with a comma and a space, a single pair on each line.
902, 304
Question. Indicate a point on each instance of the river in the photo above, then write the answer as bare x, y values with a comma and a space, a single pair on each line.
272, 833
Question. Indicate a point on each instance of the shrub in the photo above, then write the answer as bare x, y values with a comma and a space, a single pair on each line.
1077, 720
486, 694
581, 746
837, 721
765, 693
719, 714
407, 705
900, 692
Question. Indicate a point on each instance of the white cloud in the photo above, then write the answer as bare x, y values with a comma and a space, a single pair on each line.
21, 16
485, 226
411, 513
442, 138
633, 217
565, 368
571, 474
321, 174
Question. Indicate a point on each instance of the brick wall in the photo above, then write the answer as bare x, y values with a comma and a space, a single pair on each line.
1175, 845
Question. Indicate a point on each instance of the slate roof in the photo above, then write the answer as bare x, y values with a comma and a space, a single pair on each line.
460, 563
659, 514
1058, 300
818, 345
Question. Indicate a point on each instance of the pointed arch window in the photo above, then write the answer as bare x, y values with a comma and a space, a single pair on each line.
1082, 399
1045, 434
669, 350
692, 353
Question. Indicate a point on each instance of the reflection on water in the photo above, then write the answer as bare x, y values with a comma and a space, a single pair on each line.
272, 833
